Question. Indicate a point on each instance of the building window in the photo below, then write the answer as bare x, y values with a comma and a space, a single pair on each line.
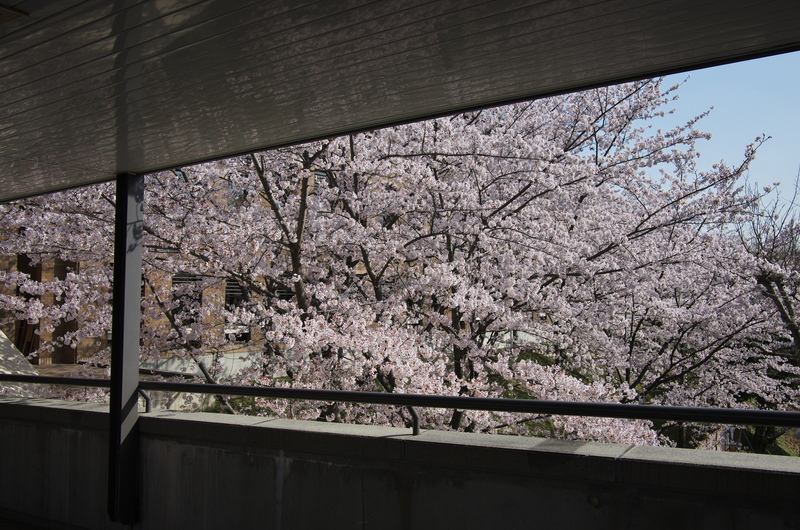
187, 294
236, 295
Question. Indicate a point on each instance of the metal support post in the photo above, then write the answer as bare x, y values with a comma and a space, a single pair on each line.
414, 420
123, 463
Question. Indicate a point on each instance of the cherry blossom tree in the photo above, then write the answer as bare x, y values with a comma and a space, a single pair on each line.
772, 238
555, 249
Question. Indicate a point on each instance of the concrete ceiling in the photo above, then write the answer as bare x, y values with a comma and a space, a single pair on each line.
94, 88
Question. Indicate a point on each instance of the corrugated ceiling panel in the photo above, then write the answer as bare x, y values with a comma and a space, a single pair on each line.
90, 89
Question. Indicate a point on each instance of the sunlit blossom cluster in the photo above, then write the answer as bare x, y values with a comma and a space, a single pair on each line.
558, 249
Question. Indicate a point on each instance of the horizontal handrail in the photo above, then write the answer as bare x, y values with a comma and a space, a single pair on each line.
56, 380
773, 418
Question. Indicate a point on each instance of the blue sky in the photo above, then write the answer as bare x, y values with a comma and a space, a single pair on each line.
752, 98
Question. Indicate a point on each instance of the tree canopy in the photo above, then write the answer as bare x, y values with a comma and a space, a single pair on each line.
563, 248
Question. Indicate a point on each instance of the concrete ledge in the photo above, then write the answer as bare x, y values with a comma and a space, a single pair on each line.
642, 465
69, 413
212, 471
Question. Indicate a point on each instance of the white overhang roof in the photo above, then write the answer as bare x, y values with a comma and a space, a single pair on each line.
95, 88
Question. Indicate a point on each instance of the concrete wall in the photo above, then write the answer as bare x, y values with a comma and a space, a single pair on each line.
214, 471
53, 457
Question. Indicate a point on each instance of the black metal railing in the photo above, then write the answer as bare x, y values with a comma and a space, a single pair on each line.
772, 418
